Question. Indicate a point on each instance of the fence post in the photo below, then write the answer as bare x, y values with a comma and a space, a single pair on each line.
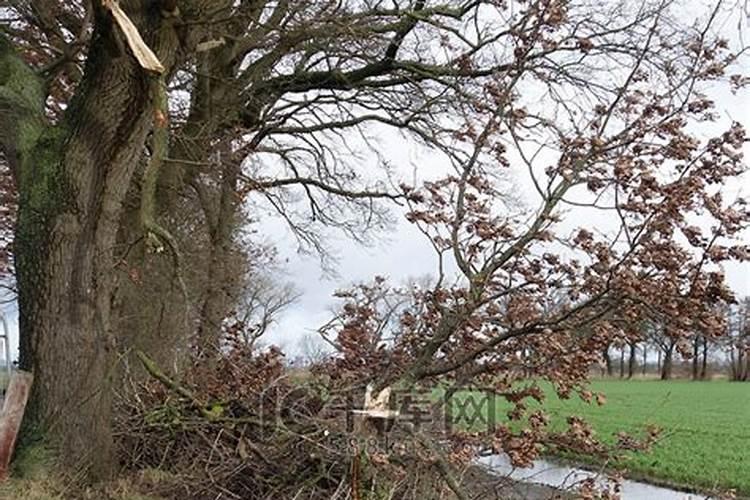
11, 416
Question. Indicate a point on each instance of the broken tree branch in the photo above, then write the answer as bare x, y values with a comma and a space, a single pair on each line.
145, 56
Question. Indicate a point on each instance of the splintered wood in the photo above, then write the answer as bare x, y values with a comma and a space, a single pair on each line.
145, 56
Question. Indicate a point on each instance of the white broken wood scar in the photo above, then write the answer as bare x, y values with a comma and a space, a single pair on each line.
377, 406
145, 56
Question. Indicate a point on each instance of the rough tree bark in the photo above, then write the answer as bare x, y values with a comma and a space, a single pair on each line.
666, 368
658, 359
607, 361
72, 181
631, 360
213, 282
218, 296
696, 356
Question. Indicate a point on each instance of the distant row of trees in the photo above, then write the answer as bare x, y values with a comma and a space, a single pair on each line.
656, 351
738, 341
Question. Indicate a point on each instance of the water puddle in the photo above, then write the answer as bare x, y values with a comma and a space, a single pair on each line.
561, 476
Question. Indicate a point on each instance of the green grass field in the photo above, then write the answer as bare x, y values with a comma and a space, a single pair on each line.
705, 442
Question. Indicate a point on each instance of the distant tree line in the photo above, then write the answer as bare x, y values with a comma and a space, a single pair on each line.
657, 352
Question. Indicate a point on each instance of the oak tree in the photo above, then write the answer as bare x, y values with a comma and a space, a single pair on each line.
141, 134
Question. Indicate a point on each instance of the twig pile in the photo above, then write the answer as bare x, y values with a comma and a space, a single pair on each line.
244, 426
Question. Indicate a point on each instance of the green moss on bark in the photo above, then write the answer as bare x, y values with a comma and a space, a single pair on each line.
21, 101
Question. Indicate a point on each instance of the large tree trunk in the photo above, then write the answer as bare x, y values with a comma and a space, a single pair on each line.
666, 369
202, 217
65, 268
658, 359
150, 313
696, 356
607, 361
220, 294
631, 360
72, 185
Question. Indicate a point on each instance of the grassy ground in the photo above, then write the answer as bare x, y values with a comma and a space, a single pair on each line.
37, 489
706, 429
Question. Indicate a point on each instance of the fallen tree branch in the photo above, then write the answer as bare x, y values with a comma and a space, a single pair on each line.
153, 370
159, 375
441, 464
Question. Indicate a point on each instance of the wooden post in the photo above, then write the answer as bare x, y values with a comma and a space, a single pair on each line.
10, 419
